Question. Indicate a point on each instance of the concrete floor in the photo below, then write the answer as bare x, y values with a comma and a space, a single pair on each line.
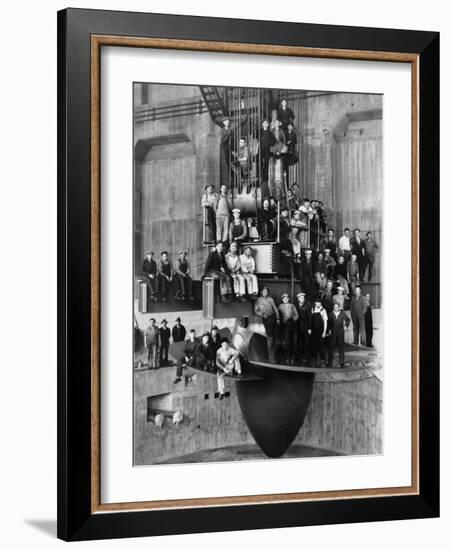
246, 452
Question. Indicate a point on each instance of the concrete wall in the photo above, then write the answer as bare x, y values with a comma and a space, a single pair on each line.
345, 416
170, 179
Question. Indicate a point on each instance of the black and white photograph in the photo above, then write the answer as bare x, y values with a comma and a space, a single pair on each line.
257, 273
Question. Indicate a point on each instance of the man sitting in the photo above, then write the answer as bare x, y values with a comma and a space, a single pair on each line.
188, 355
248, 271
183, 277
216, 267
202, 355
228, 362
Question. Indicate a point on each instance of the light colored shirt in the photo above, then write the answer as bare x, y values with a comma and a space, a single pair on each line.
225, 357
287, 312
247, 264
222, 207
265, 307
344, 243
233, 262
209, 199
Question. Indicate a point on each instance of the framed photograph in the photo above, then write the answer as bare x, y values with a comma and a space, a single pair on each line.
248, 274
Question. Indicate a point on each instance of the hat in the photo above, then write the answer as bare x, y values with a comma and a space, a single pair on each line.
214, 327
163, 321
164, 252
265, 120
206, 333
183, 251
209, 185
317, 298
284, 295
308, 250
178, 320
248, 248
283, 208
224, 340
300, 294
236, 210
327, 250
150, 252
340, 288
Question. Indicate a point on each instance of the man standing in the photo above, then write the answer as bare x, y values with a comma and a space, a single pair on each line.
371, 248
344, 245
285, 115
338, 321
227, 362
306, 273
341, 273
369, 322
149, 274
286, 246
330, 262
353, 273
165, 335
304, 330
151, 337
358, 248
248, 271
237, 228
209, 200
358, 310
327, 297
242, 158
288, 316
267, 141
319, 329
222, 216
178, 331
216, 267
165, 275
331, 244
321, 271
226, 150
188, 355
266, 309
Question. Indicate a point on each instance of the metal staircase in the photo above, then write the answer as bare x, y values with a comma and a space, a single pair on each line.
214, 102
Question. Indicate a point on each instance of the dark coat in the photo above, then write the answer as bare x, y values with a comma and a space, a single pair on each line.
292, 141
178, 333
190, 347
215, 262
285, 116
165, 335
267, 140
357, 248
358, 306
306, 270
305, 317
336, 325
149, 267
202, 356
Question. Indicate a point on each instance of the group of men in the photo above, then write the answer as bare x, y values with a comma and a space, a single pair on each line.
157, 339
303, 333
211, 353
161, 275
235, 271
276, 138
